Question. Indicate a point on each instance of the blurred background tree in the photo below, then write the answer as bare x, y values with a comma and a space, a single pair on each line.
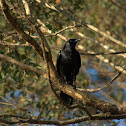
29, 90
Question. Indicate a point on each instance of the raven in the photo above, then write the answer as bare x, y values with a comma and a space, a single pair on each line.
68, 65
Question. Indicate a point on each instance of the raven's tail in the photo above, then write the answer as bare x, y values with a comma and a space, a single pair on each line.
66, 98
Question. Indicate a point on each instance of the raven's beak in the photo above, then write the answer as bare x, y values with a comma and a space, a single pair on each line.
77, 40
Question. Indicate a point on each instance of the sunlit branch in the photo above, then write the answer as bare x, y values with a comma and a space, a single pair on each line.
68, 27
112, 51
102, 58
83, 23
102, 53
57, 48
26, 6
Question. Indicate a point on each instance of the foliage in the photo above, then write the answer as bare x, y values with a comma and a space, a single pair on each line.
31, 91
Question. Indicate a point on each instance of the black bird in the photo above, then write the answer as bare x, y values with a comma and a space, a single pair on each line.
68, 65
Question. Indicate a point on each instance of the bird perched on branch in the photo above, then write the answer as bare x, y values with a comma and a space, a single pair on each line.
68, 65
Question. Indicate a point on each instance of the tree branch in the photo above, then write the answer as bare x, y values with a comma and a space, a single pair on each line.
66, 122
102, 58
18, 28
105, 86
21, 65
11, 104
57, 48
101, 44
13, 115
68, 27
102, 53
82, 23
85, 97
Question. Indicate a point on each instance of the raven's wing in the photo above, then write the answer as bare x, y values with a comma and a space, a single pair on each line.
58, 62
79, 61
77, 65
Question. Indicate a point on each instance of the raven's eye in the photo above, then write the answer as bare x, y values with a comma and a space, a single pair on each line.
70, 41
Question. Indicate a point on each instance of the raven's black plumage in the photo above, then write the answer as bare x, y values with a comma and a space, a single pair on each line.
68, 64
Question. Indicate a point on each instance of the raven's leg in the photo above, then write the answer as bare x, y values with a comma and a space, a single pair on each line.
66, 98
74, 85
69, 79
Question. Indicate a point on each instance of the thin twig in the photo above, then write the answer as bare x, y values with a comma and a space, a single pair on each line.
105, 86
19, 29
102, 53
68, 27
97, 42
57, 48
116, 4
13, 115
84, 97
21, 108
5, 103
83, 23
66, 122
102, 58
